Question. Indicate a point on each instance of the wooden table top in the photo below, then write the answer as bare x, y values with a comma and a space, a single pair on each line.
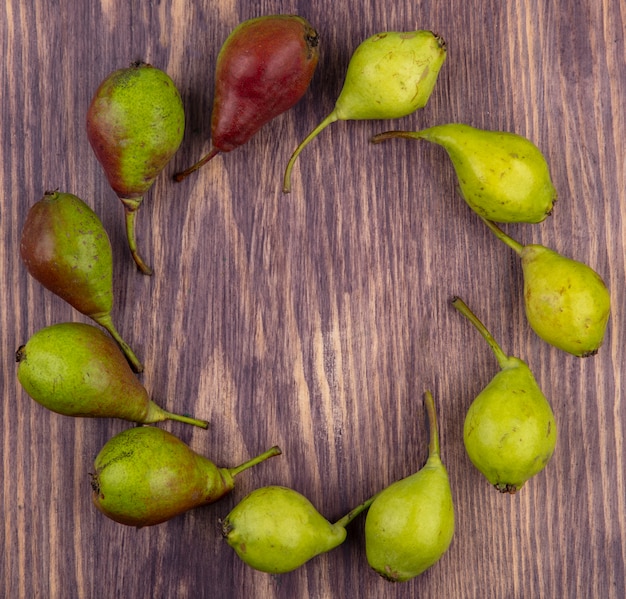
317, 320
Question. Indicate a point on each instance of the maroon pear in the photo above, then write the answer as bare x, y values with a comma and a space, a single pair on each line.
264, 68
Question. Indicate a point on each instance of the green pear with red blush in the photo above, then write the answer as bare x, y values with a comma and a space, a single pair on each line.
135, 124
145, 475
76, 369
65, 247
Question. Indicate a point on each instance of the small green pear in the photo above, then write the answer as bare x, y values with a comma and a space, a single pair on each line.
145, 475
509, 431
135, 124
75, 369
65, 247
502, 176
410, 523
275, 529
390, 75
567, 303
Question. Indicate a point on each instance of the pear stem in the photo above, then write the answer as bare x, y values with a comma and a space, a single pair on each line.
178, 177
331, 118
186, 419
380, 137
502, 236
353, 513
106, 321
273, 451
130, 207
433, 446
462, 307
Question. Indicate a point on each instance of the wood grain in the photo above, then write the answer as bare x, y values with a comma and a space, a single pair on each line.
317, 320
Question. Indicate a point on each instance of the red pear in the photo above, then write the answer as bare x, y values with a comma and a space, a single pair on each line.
264, 68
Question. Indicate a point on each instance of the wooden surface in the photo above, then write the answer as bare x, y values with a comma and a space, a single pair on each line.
317, 320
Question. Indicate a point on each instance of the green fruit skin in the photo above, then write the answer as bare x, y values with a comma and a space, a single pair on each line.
509, 431
391, 75
567, 303
502, 176
275, 529
65, 247
76, 369
145, 475
135, 124
410, 524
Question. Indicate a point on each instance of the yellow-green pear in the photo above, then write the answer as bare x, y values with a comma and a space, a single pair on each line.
410, 523
275, 529
509, 431
390, 75
567, 303
502, 176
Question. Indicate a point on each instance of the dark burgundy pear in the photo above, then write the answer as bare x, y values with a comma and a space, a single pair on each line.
264, 68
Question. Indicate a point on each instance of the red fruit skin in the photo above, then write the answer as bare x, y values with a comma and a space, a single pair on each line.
264, 68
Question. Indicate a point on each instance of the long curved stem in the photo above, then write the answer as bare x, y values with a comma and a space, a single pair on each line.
331, 118
462, 307
131, 205
105, 320
273, 451
502, 236
178, 177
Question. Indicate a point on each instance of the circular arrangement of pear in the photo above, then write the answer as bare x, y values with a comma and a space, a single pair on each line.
135, 124
502, 176
390, 75
65, 247
509, 431
410, 523
275, 529
567, 303
144, 476
75, 369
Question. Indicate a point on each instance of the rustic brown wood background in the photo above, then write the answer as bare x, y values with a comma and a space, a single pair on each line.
317, 320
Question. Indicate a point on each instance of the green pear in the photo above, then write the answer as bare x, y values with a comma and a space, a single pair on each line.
275, 529
135, 124
502, 176
75, 369
65, 247
567, 303
390, 75
145, 475
410, 523
509, 431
